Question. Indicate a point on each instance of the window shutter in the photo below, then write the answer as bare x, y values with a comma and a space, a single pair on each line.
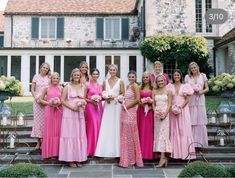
1, 41
60, 28
35, 28
125, 29
100, 28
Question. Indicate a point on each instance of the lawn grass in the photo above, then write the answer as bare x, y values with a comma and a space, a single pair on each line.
25, 104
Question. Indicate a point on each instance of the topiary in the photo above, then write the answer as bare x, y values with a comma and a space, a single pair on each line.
203, 169
23, 170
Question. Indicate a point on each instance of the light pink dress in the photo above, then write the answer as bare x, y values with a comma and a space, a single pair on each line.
130, 144
93, 116
180, 125
38, 109
73, 140
52, 125
198, 110
161, 127
146, 127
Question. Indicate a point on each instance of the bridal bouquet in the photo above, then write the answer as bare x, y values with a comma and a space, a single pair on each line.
81, 103
146, 101
176, 109
55, 102
119, 99
159, 113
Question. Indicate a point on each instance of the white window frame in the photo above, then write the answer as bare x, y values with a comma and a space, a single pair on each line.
120, 29
48, 29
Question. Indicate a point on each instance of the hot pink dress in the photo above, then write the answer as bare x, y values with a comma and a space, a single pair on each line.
38, 109
52, 125
146, 127
93, 117
198, 110
73, 140
180, 125
130, 145
161, 127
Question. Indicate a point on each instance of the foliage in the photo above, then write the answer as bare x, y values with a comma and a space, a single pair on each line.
23, 170
203, 169
11, 85
231, 171
222, 82
181, 48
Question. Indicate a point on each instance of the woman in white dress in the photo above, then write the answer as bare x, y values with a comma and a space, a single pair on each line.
109, 137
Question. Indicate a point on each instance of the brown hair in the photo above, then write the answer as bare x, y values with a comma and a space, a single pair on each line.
150, 81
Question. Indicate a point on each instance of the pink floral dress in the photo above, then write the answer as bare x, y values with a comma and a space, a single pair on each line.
161, 127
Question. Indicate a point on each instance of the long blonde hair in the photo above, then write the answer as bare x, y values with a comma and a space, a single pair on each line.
189, 68
45, 63
160, 76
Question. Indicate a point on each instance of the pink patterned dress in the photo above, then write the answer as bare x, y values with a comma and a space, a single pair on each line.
38, 109
130, 145
146, 127
93, 117
52, 125
198, 110
180, 125
73, 140
161, 127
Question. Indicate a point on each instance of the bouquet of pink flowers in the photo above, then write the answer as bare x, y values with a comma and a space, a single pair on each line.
196, 88
159, 113
96, 98
146, 101
81, 103
55, 102
120, 99
176, 109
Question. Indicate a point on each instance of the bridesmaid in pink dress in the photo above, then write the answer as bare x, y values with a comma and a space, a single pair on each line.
93, 112
73, 140
158, 70
199, 83
180, 123
40, 81
145, 117
162, 104
130, 145
53, 116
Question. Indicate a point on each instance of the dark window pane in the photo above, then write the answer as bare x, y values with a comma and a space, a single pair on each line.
71, 62
16, 67
3, 65
41, 61
117, 62
132, 63
57, 60
92, 62
32, 67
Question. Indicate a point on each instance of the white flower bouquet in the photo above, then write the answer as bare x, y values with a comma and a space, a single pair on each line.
176, 109
11, 85
146, 101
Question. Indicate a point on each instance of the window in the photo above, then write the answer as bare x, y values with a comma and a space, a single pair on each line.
16, 67
169, 68
198, 15
57, 61
41, 61
48, 28
71, 62
132, 63
92, 63
108, 61
3, 65
117, 63
1, 40
208, 6
112, 29
32, 67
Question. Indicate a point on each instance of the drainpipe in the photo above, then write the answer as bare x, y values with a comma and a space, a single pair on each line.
11, 30
144, 34
214, 60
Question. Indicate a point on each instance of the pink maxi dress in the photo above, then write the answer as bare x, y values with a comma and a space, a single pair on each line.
162, 127
93, 115
180, 125
52, 125
130, 145
198, 111
146, 127
38, 109
73, 140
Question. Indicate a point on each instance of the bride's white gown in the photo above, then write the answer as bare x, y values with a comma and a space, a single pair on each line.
109, 137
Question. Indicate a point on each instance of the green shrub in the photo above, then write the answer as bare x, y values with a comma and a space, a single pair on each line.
23, 170
203, 169
231, 171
